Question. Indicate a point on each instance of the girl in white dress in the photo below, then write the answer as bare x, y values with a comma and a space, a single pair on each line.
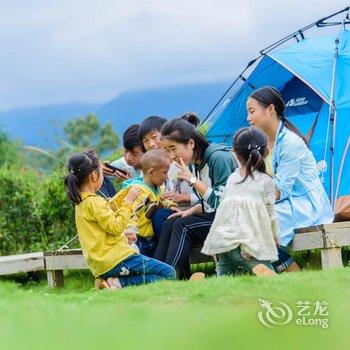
245, 231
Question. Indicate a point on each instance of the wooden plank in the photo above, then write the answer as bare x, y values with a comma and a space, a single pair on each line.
335, 225
74, 259
21, 263
336, 237
307, 241
63, 252
62, 262
316, 240
331, 258
55, 278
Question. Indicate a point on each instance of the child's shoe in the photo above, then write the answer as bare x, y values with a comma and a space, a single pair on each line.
263, 270
101, 284
197, 276
114, 283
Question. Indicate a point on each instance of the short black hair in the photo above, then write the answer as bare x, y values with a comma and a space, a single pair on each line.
131, 139
152, 123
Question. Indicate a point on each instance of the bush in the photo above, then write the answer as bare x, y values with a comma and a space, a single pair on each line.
21, 228
57, 212
35, 214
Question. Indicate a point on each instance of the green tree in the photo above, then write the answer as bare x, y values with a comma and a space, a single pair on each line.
87, 132
8, 150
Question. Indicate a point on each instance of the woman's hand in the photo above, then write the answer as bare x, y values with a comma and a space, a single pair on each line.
132, 195
184, 173
197, 209
177, 197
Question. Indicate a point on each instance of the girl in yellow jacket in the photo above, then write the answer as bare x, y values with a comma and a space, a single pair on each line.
101, 229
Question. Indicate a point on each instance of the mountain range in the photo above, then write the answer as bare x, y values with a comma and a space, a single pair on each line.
42, 126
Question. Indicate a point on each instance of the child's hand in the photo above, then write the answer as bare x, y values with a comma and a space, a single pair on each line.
122, 176
277, 241
131, 236
105, 170
132, 195
245, 255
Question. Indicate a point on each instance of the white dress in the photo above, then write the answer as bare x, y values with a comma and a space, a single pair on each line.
246, 218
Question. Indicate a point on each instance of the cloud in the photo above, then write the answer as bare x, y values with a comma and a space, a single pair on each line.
56, 51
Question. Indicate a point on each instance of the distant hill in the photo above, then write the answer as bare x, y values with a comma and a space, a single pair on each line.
42, 126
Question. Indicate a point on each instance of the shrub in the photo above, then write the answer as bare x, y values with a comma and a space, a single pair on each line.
21, 228
57, 212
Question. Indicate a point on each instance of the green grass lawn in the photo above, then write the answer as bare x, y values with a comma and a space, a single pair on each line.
217, 313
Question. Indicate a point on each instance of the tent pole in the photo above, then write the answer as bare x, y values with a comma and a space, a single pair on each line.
332, 116
240, 76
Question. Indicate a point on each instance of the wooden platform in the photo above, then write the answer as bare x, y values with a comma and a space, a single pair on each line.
73, 259
21, 263
329, 238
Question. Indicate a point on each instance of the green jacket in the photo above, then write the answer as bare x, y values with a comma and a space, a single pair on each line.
217, 165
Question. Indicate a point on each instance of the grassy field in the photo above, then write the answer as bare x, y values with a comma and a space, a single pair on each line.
217, 313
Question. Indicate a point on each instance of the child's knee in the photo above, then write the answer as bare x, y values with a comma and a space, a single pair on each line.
170, 273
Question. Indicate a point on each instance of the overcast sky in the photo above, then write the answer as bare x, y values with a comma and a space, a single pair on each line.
70, 50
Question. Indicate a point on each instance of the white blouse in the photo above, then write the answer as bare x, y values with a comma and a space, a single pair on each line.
245, 218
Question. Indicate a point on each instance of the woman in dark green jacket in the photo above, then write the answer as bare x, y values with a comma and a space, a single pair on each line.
213, 164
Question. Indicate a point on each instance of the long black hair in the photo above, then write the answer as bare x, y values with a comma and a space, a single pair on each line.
267, 96
181, 131
250, 145
80, 166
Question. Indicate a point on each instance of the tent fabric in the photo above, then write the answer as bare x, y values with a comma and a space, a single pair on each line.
303, 73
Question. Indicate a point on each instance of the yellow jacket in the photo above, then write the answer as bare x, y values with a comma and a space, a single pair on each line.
138, 219
100, 230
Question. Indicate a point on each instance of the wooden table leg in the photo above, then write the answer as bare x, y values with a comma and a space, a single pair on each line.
331, 258
55, 278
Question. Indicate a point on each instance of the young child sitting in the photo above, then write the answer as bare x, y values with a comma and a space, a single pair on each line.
101, 230
155, 165
244, 232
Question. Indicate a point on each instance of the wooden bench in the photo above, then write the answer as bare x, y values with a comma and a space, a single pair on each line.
328, 237
30, 262
73, 259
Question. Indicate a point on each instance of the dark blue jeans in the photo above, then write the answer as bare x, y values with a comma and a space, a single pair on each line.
139, 269
158, 219
147, 246
284, 259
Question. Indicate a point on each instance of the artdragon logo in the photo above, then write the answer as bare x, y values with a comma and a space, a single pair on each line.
271, 315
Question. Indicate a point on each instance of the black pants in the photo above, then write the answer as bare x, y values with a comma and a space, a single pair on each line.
179, 236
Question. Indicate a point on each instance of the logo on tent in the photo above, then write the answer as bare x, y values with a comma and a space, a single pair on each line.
297, 102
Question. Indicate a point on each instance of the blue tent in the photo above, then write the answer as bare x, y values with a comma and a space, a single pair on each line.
313, 76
